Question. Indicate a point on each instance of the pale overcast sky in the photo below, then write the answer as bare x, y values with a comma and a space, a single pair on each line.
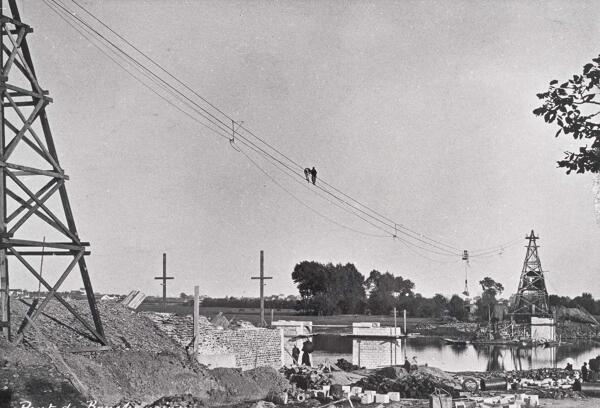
420, 109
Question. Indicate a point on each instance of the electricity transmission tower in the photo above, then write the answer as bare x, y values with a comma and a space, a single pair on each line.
532, 296
33, 197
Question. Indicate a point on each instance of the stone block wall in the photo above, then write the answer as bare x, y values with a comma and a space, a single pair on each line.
371, 351
250, 347
376, 353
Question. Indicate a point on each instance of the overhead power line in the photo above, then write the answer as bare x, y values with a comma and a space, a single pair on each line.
211, 117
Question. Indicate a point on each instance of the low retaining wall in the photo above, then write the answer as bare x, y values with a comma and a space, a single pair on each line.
244, 347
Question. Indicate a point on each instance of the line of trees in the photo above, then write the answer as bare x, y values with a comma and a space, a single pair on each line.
274, 302
327, 289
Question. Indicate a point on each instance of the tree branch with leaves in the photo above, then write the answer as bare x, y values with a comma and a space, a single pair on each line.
574, 106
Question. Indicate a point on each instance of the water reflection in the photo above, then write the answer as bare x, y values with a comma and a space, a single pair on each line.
437, 353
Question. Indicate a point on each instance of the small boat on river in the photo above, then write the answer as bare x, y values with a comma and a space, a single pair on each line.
454, 342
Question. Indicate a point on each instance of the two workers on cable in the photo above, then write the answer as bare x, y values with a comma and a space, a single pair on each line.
311, 175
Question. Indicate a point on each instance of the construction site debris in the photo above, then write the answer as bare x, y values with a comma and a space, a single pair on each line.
307, 378
134, 299
143, 365
418, 384
346, 365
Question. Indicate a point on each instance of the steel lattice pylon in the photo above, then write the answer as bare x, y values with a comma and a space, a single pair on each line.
32, 183
532, 296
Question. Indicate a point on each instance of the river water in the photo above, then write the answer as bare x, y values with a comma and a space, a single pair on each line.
434, 352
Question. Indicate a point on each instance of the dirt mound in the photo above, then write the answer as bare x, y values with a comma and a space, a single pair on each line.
235, 385
27, 375
143, 365
124, 328
141, 376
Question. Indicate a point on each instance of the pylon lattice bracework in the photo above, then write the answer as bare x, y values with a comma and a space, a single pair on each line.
32, 184
532, 296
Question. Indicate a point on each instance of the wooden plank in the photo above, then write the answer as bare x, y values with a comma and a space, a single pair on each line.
16, 23
34, 208
87, 349
41, 95
27, 205
26, 126
48, 253
13, 53
60, 245
34, 171
196, 320
64, 229
26, 64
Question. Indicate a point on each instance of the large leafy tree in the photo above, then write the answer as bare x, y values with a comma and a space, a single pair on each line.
384, 290
574, 106
491, 289
456, 307
329, 289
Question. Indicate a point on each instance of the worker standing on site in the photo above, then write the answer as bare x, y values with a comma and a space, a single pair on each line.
307, 348
295, 354
406, 365
584, 372
307, 173
313, 174
414, 365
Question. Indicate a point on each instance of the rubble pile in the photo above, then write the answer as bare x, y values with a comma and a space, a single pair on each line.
346, 365
307, 378
126, 329
54, 364
413, 385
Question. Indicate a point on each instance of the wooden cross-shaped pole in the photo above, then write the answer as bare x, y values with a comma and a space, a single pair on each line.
164, 279
262, 278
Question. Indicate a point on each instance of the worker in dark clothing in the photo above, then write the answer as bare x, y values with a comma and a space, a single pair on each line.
313, 174
577, 385
307, 174
569, 367
406, 365
307, 348
295, 354
584, 372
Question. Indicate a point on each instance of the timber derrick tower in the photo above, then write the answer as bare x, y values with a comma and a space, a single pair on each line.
532, 296
33, 197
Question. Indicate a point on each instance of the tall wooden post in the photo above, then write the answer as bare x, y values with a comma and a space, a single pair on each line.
262, 278
164, 279
196, 319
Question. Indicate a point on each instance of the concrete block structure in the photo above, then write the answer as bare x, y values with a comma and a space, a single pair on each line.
543, 328
375, 346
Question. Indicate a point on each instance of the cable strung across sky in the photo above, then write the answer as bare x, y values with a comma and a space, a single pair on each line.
192, 104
